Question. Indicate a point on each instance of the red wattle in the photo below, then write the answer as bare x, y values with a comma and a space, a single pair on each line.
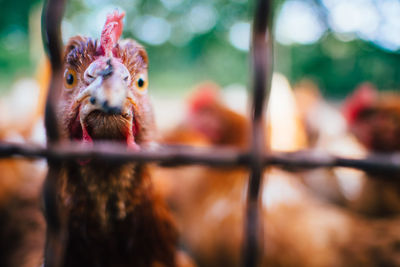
85, 136
130, 141
87, 140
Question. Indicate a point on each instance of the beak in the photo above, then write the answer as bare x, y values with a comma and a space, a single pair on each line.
108, 88
109, 96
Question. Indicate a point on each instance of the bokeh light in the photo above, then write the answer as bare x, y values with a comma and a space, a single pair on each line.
298, 23
239, 35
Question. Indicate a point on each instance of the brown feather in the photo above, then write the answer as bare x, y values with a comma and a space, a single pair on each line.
114, 217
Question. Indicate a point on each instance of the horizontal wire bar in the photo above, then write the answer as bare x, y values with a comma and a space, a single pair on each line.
186, 155
308, 159
170, 155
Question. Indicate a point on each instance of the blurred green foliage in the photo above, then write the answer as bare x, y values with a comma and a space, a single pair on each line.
14, 43
335, 65
338, 67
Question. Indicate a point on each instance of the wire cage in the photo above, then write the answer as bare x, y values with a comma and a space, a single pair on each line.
256, 158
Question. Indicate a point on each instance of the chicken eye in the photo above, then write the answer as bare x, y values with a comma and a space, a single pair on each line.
141, 82
70, 78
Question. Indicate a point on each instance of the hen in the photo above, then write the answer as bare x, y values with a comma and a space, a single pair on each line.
114, 216
207, 201
299, 229
209, 122
326, 131
374, 119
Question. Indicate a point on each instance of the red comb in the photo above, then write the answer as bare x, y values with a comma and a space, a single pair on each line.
206, 94
364, 96
112, 30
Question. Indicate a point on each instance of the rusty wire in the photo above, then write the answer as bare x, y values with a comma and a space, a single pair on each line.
261, 70
256, 158
56, 233
171, 156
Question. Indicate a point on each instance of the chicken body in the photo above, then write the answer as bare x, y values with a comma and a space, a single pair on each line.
113, 216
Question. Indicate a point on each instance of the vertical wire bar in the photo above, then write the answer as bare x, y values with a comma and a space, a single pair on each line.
261, 64
52, 14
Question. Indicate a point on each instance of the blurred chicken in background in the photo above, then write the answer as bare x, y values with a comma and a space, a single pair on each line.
22, 225
374, 120
326, 131
300, 228
209, 202
367, 123
209, 120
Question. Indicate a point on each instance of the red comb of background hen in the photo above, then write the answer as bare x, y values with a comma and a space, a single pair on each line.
111, 32
205, 95
363, 97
